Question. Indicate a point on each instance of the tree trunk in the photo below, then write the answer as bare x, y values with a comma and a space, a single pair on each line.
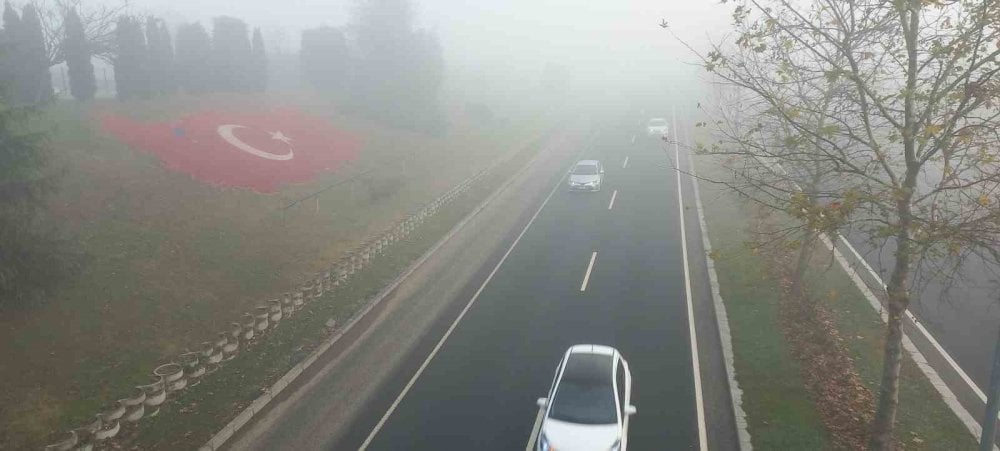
802, 264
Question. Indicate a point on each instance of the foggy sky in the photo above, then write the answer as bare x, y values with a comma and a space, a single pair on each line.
501, 44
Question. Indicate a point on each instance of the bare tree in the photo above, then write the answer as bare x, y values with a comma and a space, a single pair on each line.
98, 19
894, 105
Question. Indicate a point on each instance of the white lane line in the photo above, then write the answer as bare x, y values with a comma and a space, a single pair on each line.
534, 430
625, 164
721, 316
454, 324
613, 196
633, 138
695, 364
590, 267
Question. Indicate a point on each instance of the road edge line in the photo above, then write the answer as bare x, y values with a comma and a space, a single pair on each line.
722, 322
468, 306
692, 331
225, 433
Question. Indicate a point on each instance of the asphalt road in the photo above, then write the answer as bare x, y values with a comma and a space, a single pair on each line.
478, 390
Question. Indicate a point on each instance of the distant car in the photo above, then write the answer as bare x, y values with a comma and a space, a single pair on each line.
587, 175
657, 126
590, 402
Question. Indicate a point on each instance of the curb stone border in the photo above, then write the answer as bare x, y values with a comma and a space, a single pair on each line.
260, 404
722, 321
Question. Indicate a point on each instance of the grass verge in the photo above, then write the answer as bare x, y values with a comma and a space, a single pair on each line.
781, 412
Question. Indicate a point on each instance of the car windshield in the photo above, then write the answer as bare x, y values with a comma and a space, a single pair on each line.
658, 122
585, 394
585, 169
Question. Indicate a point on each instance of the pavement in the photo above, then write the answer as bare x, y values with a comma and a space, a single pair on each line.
460, 352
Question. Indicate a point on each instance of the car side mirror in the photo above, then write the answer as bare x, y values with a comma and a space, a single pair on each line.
602, 170
542, 402
630, 410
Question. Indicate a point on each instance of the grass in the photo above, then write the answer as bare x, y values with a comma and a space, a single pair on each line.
781, 413
170, 261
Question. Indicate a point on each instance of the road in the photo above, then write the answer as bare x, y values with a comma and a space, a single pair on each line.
478, 391
606, 267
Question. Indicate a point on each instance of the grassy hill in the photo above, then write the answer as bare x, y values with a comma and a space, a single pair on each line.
168, 260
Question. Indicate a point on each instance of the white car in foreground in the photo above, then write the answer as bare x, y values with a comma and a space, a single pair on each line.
657, 126
589, 404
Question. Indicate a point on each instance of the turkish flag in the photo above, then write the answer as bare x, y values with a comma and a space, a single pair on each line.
260, 151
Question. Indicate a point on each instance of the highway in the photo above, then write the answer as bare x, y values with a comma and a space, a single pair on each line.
605, 268
602, 268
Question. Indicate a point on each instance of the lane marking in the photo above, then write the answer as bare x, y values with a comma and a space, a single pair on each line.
721, 316
590, 267
625, 164
695, 364
613, 196
633, 138
535, 429
454, 324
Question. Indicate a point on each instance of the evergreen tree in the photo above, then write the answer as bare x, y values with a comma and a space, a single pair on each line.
259, 62
325, 59
193, 53
130, 63
37, 79
82, 83
8, 67
169, 78
231, 55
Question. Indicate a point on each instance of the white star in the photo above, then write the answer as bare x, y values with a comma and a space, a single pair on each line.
280, 137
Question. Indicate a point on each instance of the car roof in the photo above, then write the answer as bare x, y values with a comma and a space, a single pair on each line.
588, 162
591, 349
657, 119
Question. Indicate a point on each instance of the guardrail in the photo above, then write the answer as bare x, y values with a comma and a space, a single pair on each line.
189, 368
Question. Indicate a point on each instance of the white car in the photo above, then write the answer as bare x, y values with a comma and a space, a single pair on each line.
589, 404
657, 126
587, 175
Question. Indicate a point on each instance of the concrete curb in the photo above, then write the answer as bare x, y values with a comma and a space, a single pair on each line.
722, 321
260, 404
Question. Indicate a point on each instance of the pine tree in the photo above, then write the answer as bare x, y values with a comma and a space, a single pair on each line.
325, 59
130, 63
259, 62
37, 79
82, 83
169, 77
231, 55
193, 53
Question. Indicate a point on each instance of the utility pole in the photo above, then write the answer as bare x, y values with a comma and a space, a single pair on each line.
990, 416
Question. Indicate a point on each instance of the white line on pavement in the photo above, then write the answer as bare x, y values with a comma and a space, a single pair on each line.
613, 196
590, 267
454, 324
633, 138
695, 364
625, 164
534, 429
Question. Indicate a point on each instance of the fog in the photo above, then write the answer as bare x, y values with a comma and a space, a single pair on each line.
496, 51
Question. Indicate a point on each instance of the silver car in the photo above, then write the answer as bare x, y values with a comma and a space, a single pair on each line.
587, 175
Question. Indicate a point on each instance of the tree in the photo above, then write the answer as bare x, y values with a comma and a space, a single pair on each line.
33, 83
160, 57
231, 55
193, 53
12, 51
399, 69
82, 83
131, 60
896, 102
258, 63
98, 20
325, 59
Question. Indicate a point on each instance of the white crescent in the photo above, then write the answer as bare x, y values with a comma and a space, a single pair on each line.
226, 132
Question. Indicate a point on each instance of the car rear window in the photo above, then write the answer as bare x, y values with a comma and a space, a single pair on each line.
585, 169
585, 394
